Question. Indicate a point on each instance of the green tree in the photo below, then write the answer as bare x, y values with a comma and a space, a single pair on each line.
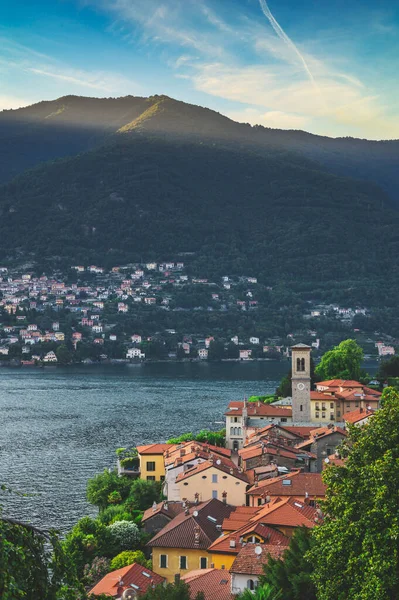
33, 564
342, 362
128, 557
356, 551
101, 486
172, 591
388, 368
292, 573
64, 356
143, 494
263, 592
87, 539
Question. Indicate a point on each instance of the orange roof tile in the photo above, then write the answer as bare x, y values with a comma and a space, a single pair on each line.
301, 484
248, 562
152, 448
215, 584
133, 576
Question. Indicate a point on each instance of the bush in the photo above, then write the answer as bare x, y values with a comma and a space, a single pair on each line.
124, 534
116, 513
95, 571
143, 494
101, 486
128, 557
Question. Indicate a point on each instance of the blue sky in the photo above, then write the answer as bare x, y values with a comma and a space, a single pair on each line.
329, 67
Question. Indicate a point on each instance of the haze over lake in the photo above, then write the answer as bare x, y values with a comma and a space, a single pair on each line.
58, 427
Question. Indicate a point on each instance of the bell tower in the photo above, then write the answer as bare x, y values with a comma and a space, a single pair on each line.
301, 382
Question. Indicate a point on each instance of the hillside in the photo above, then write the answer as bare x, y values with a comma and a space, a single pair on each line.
71, 125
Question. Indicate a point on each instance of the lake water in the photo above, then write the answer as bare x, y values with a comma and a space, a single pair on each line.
58, 427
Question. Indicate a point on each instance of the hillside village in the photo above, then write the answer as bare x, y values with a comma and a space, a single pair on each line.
159, 311
227, 510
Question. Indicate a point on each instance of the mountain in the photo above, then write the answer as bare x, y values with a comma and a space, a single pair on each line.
73, 124
154, 178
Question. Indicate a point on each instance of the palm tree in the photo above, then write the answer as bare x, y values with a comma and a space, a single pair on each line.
263, 592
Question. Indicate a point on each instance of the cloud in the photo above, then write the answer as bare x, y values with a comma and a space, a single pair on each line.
96, 80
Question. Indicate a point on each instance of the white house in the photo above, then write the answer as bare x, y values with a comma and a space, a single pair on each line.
203, 353
50, 357
254, 340
135, 353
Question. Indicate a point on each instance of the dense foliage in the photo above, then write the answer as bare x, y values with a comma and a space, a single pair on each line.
291, 575
128, 557
356, 551
214, 438
342, 362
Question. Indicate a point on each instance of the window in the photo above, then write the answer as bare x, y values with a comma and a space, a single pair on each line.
331, 404
163, 561
301, 408
183, 562
150, 477
214, 494
317, 406
203, 562
323, 406
150, 465
214, 478
231, 430
338, 413
317, 415
300, 364
235, 419
323, 415
250, 582
332, 417
283, 419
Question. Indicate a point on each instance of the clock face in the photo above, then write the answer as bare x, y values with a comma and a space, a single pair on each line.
301, 386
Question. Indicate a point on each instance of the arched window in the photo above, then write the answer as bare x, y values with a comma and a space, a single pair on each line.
302, 364
250, 584
231, 430
298, 364
301, 408
239, 430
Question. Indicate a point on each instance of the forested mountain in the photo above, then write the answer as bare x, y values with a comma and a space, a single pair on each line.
73, 124
155, 178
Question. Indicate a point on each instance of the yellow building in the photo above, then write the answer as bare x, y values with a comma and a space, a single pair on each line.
334, 398
181, 546
216, 478
152, 467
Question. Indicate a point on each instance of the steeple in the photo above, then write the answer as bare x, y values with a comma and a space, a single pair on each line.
301, 382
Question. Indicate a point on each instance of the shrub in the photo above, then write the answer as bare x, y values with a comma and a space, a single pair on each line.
128, 557
96, 570
124, 534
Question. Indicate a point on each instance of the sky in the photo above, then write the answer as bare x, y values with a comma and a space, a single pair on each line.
328, 67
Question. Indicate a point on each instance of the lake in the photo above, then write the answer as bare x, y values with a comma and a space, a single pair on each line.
58, 427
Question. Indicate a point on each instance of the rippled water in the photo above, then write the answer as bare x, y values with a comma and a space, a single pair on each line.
58, 427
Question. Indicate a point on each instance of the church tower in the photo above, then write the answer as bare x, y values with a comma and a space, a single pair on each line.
301, 382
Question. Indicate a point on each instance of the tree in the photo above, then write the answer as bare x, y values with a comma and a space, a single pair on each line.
128, 557
356, 551
87, 539
125, 535
292, 573
143, 494
388, 368
342, 362
33, 564
101, 486
172, 591
64, 356
263, 592
96, 570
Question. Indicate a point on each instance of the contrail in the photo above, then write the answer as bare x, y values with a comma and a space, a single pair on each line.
283, 36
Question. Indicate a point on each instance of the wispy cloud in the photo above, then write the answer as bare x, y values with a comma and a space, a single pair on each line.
18, 57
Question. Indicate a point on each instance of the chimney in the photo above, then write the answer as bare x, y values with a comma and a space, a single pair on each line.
165, 505
231, 470
154, 506
224, 497
196, 496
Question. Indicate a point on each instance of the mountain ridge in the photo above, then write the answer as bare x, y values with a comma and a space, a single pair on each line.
73, 124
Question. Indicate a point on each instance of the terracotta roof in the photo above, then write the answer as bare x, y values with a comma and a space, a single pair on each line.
153, 448
258, 409
289, 512
215, 584
181, 531
133, 576
226, 466
301, 483
303, 432
268, 448
231, 543
248, 562
344, 383
192, 448
357, 415
169, 509
319, 433
322, 396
